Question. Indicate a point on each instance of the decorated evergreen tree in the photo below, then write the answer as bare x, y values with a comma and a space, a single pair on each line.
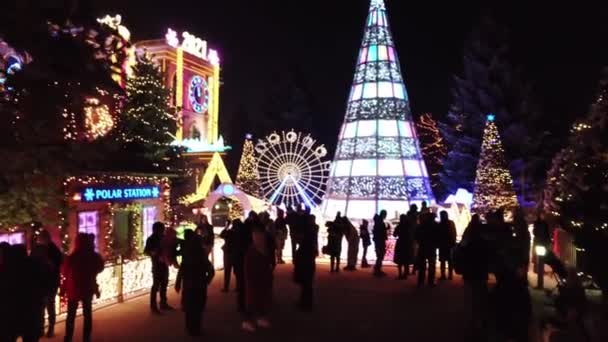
433, 151
577, 186
490, 84
493, 182
148, 124
247, 178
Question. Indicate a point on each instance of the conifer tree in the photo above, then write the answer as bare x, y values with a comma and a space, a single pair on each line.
577, 186
148, 123
493, 182
247, 178
489, 83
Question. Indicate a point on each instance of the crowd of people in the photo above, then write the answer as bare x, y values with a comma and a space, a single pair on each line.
252, 249
33, 282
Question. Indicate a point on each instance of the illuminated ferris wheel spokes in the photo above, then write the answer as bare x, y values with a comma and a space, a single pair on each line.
291, 169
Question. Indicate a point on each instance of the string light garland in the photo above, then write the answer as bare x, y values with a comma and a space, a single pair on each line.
493, 182
98, 120
433, 147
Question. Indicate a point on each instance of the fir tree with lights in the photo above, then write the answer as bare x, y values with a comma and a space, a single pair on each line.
247, 178
489, 82
433, 150
148, 124
577, 187
493, 182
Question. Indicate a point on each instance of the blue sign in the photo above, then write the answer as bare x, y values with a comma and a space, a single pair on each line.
125, 193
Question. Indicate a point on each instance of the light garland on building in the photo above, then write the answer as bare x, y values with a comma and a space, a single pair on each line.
108, 223
98, 120
493, 182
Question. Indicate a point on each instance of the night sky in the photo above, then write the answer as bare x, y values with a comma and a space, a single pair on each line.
266, 45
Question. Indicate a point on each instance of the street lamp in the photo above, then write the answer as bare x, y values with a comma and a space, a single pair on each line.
541, 251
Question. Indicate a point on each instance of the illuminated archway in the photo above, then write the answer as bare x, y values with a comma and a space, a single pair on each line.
228, 190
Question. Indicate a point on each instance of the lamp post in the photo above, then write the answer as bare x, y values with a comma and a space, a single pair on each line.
540, 264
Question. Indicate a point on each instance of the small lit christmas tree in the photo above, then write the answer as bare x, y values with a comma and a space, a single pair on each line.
433, 150
493, 182
247, 178
148, 121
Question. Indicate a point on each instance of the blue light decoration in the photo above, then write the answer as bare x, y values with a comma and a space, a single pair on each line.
117, 194
378, 163
198, 94
228, 190
491, 117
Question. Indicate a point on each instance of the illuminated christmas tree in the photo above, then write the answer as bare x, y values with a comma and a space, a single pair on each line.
493, 182
433, 150
576, 193
378, 164
247, 177
148, 122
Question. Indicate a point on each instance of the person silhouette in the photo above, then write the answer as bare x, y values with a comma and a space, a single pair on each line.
380, 236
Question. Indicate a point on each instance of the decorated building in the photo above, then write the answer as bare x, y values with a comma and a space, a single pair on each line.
378, 164
192, 72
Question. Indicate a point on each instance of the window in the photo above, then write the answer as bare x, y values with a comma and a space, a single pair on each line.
148, 216
412, 168
367, 128
370, 90
357, 90
342, 168
364, 167
382, 54
387, 128
405, 129
391, 54
363, 55
385, 89
399, 91
358, 208
350, 130
13, 238
372, 53
88, 222
390, 167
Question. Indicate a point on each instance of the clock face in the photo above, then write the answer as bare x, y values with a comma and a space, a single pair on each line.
198, 94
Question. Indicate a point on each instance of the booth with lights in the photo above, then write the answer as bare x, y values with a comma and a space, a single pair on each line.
120, 211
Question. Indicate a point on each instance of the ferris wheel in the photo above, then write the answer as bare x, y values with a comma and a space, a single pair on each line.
291, 169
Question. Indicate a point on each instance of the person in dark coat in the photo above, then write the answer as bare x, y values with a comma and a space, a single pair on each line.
475, 269
205, 231
380, 236
304, 263
335, 233
55, 257
427, 237
160, 269
352, 237
80, 271
195, 274
401, 256
291, 219
228, 234
522, 235
242, 241
366, 241
280, 235
258, 281
447, 241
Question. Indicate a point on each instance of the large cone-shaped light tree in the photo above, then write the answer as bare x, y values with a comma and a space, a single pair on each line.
493, 182
378, 164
